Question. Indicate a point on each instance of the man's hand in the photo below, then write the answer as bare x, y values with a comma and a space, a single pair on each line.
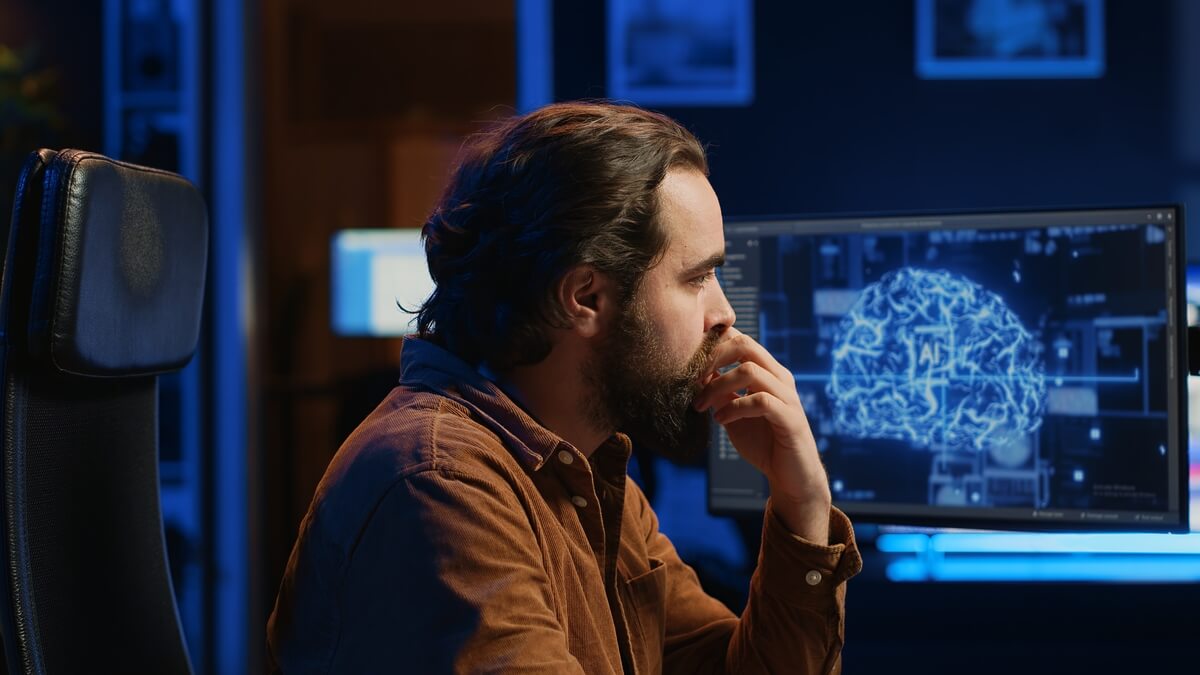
769, 429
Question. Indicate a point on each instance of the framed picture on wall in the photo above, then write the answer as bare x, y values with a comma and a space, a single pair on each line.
977, 39
681, 52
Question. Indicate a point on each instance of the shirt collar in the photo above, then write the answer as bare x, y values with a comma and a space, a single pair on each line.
426, 365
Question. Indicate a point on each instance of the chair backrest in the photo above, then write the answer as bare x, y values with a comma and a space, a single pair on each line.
101, 291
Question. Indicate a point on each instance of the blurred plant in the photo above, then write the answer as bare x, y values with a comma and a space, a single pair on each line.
29, 114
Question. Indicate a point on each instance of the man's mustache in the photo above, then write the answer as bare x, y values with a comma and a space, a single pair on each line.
700, 366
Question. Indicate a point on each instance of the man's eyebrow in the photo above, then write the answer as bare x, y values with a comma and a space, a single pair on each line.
714, 260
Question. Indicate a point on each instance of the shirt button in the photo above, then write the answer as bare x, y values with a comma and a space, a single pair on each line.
579, 501
812, 578
565, 457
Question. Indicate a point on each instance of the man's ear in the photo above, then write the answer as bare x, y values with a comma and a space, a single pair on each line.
588, 296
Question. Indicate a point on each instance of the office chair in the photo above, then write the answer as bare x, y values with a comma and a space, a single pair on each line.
101, 291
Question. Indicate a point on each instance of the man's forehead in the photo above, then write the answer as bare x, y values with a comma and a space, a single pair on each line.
692, 216
693, 252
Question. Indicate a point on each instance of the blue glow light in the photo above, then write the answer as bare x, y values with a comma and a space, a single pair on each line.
1014, 542
1066, 543
535, 54
932, 358
1128, 568
902, 543
1005, 556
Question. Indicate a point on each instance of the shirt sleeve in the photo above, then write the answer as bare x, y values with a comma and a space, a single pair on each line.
794, 619
447, 577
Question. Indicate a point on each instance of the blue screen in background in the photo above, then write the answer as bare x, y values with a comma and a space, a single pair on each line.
374, 274
1080, 315
1002, 370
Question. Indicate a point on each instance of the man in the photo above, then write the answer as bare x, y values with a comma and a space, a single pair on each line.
480, 520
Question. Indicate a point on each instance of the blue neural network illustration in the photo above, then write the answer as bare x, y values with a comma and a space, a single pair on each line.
1001, 368
932, 358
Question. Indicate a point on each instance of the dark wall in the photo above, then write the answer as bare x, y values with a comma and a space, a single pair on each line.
841, 123
1025, 629
61, 40
67, 37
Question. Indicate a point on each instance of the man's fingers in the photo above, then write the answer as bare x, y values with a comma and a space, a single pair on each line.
749, 376
760, 404
740, 347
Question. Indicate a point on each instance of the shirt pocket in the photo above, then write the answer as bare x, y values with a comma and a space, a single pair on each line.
644, 598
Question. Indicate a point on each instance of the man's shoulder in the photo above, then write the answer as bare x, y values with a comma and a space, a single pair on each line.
416, 430
412, 434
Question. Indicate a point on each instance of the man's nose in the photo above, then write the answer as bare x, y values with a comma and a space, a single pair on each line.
722, 315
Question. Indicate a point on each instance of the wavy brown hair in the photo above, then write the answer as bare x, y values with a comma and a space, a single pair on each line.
538, 194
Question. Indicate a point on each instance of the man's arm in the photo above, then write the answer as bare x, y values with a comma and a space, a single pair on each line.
789, 625
757, 403
794, 618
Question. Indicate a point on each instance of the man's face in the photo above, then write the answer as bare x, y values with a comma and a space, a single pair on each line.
650, 366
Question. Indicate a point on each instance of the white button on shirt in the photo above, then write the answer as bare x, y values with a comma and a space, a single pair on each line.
565, 457
812, 578
579, 501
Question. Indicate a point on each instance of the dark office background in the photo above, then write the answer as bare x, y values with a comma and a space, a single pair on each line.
319, 116
840, 122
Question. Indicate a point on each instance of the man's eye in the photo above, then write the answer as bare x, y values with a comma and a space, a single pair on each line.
703, 278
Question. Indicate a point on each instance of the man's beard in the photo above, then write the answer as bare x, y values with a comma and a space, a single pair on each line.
637, 388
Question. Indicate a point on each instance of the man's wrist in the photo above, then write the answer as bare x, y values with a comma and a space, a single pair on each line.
806, 517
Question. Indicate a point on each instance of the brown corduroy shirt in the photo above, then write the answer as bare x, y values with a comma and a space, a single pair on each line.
453, 533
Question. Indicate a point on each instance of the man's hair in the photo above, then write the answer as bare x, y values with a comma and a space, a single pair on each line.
565, 185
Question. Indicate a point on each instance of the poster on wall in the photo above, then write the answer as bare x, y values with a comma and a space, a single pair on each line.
978, 39
681, 52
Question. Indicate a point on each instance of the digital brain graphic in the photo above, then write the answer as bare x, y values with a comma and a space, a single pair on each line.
933, 358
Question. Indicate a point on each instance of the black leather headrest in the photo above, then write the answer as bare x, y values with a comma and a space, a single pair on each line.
119, 281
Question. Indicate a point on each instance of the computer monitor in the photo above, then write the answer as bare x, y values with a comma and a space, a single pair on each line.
375, 276
1015, 370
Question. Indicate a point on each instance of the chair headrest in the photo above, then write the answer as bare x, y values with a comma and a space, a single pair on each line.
119, 280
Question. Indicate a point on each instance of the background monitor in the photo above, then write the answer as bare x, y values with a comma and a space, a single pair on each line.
998, 370
372, 271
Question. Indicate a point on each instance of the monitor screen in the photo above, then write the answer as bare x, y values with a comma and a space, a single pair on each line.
375, 273
998, 370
